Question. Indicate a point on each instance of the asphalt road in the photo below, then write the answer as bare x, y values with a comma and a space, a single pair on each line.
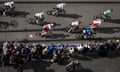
84, 12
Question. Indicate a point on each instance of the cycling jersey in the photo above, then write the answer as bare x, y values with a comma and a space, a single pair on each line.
9, 4
75, 23
39, 15
96, 23
87, 31
48, 27
60, 5
107, 12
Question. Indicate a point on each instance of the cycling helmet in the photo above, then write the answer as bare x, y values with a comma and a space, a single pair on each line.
111, 9
12, 2
52, 24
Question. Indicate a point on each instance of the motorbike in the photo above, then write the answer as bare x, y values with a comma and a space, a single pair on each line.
56, 13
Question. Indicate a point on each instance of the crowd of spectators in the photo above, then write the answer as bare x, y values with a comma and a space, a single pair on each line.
12, 52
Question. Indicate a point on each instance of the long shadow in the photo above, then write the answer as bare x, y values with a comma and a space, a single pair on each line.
85, 70
81, 69
86, 56
108, 30
14, 23
83, 57
46, 22
117, 21
37, 66
74, 16
5, 25
114, 54
21, 14
61, 36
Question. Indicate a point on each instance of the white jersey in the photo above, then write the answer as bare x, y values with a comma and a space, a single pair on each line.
97, 21
40, 15
75, 23
60, 5
9, 4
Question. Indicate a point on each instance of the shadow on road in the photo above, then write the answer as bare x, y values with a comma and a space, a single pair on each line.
14, 23
83, 57
38, 66
108, 30
21, 14
57, 36
5, 25
117, 21
63, 36
85, 70
74, 16
114, 54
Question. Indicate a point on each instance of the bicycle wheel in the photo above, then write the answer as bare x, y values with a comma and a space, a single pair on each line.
12, 13
49, 12
63, 12
30, 21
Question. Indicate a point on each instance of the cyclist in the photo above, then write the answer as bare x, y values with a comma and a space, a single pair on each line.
96, 23
39, 17
74, 25
87, 31
59, 7
47, 29
9, 4
107, 12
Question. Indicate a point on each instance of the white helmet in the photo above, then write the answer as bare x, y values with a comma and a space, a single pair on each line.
52, 24
12, 2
